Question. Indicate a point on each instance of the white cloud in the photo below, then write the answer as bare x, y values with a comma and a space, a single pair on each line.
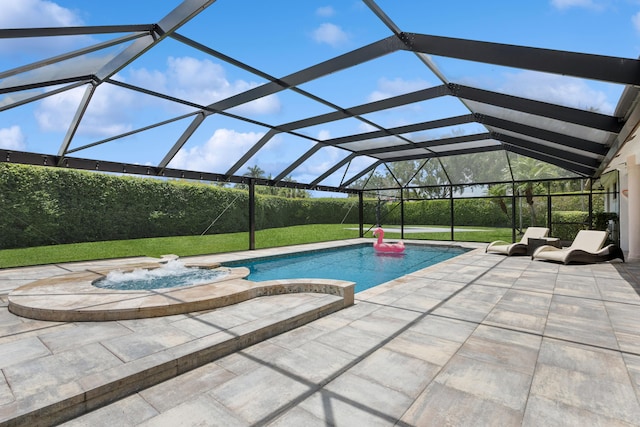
388, 88
202, 82
326, 159
635, 19
34, 14
325, 11
324, 135
567, 4
218, 154
556, 89
105, 116
12, 138
330, 34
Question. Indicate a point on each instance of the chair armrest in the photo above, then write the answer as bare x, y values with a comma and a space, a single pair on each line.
496, 243
544, 248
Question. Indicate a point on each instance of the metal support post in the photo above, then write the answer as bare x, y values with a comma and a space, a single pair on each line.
361, 212
252, 214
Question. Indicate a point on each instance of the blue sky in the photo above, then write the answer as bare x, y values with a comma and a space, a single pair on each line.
282, 37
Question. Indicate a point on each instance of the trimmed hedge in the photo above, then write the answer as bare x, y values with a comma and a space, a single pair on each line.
567, 224
44, 206
477, 212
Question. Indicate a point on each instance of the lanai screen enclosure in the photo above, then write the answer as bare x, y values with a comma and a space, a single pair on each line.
460, 118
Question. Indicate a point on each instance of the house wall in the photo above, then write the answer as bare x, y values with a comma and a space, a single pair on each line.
630, 206
633, 206
624, 211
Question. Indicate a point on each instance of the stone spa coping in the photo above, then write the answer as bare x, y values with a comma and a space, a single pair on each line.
72, 297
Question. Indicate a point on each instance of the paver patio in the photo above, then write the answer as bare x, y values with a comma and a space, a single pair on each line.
481, 339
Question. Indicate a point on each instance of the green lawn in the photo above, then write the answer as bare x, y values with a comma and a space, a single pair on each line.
198, 245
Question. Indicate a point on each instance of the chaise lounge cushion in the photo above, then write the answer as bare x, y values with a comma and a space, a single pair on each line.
587, 247
518, 248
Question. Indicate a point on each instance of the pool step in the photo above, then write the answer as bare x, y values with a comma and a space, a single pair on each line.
89, 391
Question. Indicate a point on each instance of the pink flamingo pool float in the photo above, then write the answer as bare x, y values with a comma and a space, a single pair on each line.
380, 246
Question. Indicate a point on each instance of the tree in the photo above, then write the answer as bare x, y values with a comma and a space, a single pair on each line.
255, 171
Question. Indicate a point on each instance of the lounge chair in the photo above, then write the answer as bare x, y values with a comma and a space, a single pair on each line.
587, 247
518, 248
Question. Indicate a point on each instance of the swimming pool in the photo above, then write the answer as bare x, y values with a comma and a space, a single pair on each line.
359, 264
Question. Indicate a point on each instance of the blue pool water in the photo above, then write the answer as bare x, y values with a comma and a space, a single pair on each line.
360, 264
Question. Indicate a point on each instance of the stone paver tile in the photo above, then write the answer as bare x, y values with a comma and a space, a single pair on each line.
629, 342
129, 411
465, 309
577, 270
315, 362
22, 350
136, 325
298, 417
488, 381
382, 297
624, 317
599, 395
579, 308
429, 348
610, 269
146, 341
404, 285
466, 274
521, 310
185, 387
252, 358
202, 411
28, 328
386, 322
536, 282
33, 376
358, 310
446, 328
539, 266
7, 318
499, 277
488, 294
208, 323
580, 330
439, 289
257, 395
551, 413
502, 335
479, 257
299, 336
417, 302
633, 366
617, 290
583, 287
515, 262
406, 374
351, 400
6, 396
83, 333
501, 347
525, 302
395, 313
516, 320
440, 405
352, 340
13, 278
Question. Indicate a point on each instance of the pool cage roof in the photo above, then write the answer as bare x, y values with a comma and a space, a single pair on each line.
169, 98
